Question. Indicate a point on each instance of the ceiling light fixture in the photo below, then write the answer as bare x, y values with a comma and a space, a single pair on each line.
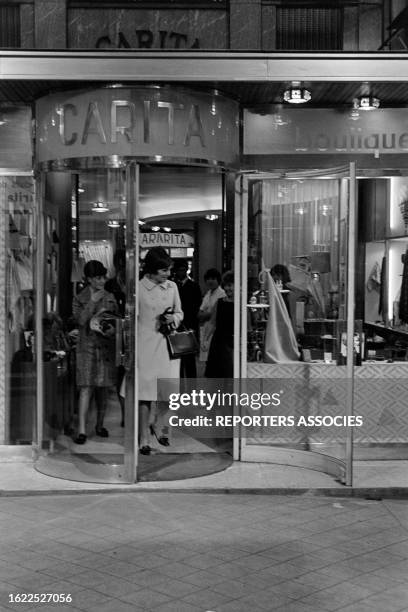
155, 228
211, 217
99, 207
354, 114
278, 120
297, 94
366, 102
113, 223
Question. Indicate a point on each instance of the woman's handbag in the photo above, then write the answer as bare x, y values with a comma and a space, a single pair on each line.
181, 342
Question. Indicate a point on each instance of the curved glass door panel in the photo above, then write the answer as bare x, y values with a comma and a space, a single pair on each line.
17, 326
84, 313
295, 326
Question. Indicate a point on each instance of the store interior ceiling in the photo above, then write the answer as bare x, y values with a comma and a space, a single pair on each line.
172, 195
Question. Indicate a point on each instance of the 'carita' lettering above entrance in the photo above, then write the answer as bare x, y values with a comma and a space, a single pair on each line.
123, 119
147, 39
148, 240
159, 123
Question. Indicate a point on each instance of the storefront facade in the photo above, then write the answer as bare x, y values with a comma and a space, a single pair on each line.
308, 186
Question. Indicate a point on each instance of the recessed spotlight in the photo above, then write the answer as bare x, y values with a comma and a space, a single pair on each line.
113, 223
99, 207
367, 102
211, 217
297, 94
155, 228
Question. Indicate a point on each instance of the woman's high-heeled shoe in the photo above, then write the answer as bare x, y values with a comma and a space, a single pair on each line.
102, 432
163, 440
145, 450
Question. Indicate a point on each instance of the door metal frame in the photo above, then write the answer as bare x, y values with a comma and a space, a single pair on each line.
130, 332
342, 469
49, 464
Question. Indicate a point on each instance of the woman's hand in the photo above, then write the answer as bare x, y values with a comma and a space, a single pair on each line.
203, 316
169, 318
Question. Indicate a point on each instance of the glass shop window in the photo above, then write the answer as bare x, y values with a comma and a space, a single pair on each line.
296, 270
383, 290
18, 382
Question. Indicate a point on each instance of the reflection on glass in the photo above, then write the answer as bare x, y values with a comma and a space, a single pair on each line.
18, 384
296, 270
84, 305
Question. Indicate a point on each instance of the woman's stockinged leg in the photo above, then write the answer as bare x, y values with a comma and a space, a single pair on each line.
161, 424
101, 399
85, 395
144, 421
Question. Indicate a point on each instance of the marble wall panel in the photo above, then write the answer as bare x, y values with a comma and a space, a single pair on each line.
50, 20
27, 26
137, 28
245, 24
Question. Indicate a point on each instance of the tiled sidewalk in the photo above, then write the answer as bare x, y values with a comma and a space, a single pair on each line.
187, 552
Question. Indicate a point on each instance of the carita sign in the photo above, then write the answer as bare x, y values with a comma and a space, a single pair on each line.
151, 239
158, 123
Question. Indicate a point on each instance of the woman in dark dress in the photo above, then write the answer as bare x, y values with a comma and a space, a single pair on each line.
220, 363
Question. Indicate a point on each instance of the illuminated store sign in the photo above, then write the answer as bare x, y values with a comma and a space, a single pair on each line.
158, 123
326, 131
148, 240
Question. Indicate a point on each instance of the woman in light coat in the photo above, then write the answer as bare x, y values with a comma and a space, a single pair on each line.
156, 294
208, 309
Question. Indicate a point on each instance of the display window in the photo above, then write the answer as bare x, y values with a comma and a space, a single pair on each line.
296, 270
17, 318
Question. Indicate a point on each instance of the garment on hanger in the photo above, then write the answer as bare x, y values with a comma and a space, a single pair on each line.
374, 278
101, 250
77, 273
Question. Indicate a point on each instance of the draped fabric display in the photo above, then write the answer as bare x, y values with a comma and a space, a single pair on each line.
280, 340
102, 250
299, 218
403, 303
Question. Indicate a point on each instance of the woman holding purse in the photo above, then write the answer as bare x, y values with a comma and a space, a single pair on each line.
157, 294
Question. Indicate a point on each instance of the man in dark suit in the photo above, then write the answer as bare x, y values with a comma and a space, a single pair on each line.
190, 295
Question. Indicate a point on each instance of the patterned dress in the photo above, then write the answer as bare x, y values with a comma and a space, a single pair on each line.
95, 353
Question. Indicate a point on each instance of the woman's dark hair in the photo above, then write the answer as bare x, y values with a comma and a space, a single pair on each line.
94, 268
156, 259
227, 278
213, 273
282, 272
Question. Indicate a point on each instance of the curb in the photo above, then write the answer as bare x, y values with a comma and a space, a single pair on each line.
369, 493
